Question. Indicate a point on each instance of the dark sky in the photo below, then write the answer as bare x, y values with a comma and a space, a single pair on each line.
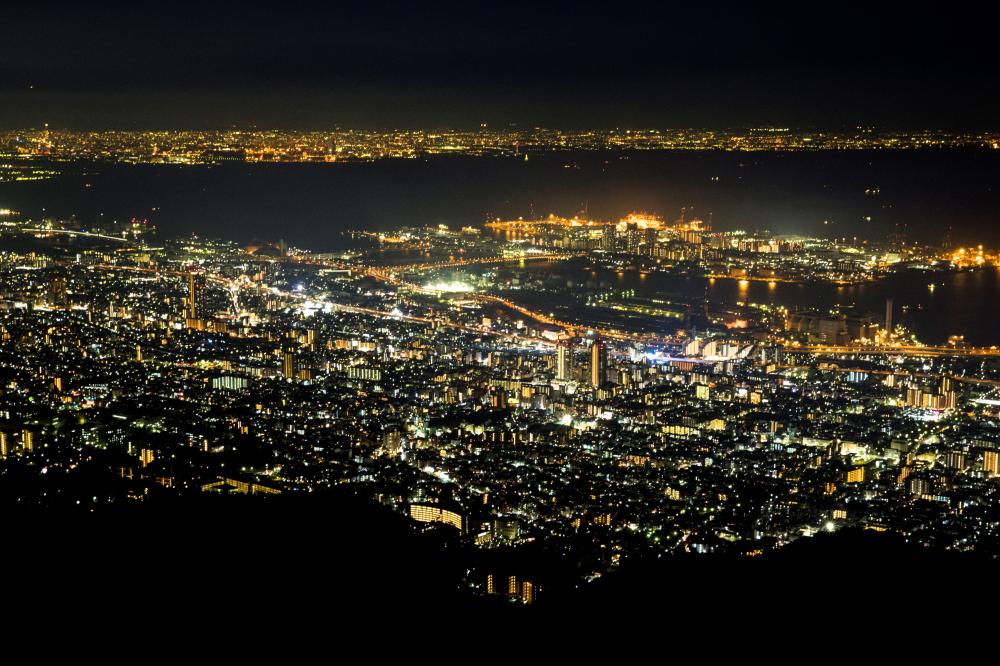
582, 64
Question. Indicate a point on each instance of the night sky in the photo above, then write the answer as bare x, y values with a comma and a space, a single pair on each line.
582, 64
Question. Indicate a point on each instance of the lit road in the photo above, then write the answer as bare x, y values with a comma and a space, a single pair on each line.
67, 232
902, 350
407, 268
922, 375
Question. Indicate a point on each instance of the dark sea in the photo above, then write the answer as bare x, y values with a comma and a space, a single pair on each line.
923, 194
933, 305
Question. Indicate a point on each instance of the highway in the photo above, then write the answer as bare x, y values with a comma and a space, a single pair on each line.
900, 350
922, 375
67, 232
409, 268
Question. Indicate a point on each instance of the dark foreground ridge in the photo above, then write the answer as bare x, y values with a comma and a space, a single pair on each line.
829, 572
248, 554
237, 550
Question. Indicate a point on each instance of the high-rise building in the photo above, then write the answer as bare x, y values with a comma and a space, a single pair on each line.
598, 364
192, 296
888, 319
651, 234
609, 238
991, 463
426, 513
955, 460
564, 361
392, 443
633, 237
288, 364
920, 486
57, 291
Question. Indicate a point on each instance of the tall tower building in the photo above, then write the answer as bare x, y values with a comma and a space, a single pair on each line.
650, 237
609, 238
564, 361
632, 237
192, 296
598, 363
888, 319
288, 364
57, 291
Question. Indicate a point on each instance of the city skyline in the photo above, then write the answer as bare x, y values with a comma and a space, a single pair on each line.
516, 308
440, 385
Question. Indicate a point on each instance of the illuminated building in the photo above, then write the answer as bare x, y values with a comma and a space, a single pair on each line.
239, 486
650, 237
831, 329
515, 589
564, 361
392, 443
4, 445
57, 291
991, 462
192, 296
955, 460
609, 239
426, 513
888, 320
230, 382
364, 373
691, 236
919, 486
632, 237
598, 363
288, 364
